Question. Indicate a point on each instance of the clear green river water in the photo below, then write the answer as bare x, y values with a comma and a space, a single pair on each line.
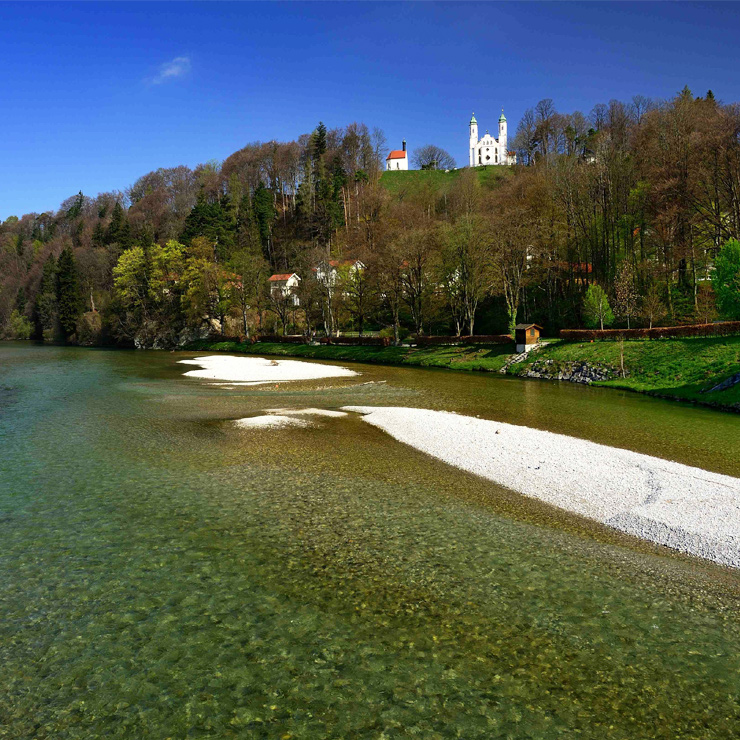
166, 574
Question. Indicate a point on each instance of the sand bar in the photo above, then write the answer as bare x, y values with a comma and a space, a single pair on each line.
685, 508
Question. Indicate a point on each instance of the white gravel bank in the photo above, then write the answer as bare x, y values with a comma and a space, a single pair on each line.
258, 370
685, 508
275, 418
271, 421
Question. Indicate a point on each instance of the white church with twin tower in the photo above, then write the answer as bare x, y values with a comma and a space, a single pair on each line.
488, 150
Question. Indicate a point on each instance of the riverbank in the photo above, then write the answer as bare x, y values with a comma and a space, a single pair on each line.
680, 369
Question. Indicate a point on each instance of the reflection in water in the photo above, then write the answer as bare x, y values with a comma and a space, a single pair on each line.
164, 573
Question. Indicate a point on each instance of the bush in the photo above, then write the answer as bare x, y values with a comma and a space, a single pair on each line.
89, 329
722, 328
403, 332
488, 339
357, 341
18, 327
474, 339
283, 339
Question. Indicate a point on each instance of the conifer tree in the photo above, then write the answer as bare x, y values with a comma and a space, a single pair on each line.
46, 298
119, 229
264, 213
20, 300
215, 221
69, 295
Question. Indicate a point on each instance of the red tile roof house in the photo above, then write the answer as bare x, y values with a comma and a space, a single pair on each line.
285, 284
398, 159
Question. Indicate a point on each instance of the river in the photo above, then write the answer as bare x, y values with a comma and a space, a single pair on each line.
166, 574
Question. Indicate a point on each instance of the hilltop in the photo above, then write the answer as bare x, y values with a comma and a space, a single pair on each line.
410, 182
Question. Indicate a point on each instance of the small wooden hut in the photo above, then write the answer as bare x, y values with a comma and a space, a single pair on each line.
526, 335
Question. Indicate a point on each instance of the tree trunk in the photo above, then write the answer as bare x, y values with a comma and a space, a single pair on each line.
245, 323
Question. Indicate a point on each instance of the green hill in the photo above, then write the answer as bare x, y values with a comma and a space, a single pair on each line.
412, 181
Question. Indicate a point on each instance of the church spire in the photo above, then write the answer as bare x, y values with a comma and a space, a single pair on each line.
502, 117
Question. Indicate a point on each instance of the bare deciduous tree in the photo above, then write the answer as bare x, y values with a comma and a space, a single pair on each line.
431, 157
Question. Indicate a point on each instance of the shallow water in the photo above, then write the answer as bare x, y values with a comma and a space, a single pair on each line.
164, 573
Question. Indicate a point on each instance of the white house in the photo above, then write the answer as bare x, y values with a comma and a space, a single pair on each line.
328, 270
285, 285
488, 150
398, 159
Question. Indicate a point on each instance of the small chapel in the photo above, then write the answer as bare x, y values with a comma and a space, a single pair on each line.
489, 150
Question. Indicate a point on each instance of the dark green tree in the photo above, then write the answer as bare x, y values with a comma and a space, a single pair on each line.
264, 214
98, 235
318, 142
119, 229
20, 300
75, 210
46, 298
214, 220
69, 294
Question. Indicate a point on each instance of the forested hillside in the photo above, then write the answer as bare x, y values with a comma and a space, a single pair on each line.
638, 200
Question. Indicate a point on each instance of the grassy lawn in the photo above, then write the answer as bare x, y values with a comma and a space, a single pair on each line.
675, 368
439, 181
486, 358
679, 368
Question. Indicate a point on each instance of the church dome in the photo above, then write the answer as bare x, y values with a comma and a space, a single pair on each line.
472, 120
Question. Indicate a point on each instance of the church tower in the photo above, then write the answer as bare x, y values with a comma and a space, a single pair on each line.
502, 139
474, 139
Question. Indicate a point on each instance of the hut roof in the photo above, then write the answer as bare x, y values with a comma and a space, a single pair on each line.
528, 326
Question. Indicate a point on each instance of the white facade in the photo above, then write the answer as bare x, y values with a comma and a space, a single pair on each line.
398, 159
285, 286
489, 150
327, 271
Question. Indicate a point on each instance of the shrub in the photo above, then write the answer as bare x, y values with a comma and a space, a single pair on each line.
19, 327
488, 339
474, 339
283, 338
357, 341
89, 329
722, 328
403, 332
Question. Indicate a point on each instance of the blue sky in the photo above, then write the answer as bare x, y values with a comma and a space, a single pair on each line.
95, 95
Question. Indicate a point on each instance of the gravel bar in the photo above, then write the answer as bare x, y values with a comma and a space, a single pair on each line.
682, 507
258, 370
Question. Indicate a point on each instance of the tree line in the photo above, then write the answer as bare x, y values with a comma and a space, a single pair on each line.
626, 215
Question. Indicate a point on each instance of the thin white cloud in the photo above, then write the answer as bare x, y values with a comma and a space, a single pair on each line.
177, 67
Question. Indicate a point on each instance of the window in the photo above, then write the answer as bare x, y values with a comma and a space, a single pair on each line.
531, 332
